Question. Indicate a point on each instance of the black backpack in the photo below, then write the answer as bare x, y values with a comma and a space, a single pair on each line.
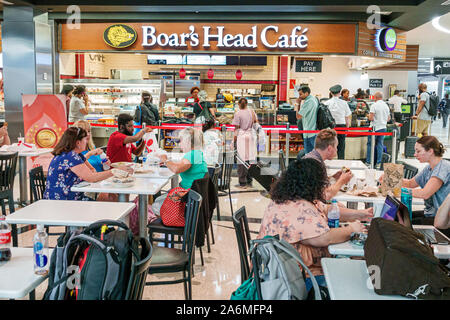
434, 103
401, 263
94, 264
324, 117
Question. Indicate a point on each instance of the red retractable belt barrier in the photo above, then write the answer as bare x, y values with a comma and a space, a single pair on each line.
349, 132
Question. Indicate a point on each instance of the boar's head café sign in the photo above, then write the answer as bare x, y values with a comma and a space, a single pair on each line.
177, 36
297, 39
121, 36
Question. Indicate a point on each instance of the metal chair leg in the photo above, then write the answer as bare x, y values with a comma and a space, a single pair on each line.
212, 234
207, 242
201, 256
231, 204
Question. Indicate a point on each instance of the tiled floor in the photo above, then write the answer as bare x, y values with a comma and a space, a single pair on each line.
220, 275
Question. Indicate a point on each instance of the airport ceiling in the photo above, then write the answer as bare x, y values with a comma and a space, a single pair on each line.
403, 14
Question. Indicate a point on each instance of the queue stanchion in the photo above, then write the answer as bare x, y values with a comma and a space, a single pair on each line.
288, 137
372, 150
159, 133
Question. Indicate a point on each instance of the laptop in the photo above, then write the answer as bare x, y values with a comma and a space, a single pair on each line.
395, 210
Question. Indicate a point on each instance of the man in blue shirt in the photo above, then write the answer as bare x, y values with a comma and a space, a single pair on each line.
308, 114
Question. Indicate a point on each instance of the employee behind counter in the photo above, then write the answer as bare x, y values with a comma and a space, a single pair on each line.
200, 106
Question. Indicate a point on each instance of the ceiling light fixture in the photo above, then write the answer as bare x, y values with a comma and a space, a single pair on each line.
437, 26
6, 2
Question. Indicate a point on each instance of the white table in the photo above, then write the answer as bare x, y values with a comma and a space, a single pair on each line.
161, 173
23, 174
67, 213
378, 202
351, 250
143, 187
349, 280
17, 277
360, 174
351, 164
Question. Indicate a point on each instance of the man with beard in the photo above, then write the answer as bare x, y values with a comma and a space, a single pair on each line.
121, 143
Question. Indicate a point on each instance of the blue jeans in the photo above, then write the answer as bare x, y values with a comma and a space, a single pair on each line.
308, 143
320, 281
444, 118
378, 147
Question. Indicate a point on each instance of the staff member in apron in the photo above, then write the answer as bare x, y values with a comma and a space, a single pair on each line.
245, 138
342, 116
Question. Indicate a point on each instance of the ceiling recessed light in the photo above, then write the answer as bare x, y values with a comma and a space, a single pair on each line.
437, 26
6, 2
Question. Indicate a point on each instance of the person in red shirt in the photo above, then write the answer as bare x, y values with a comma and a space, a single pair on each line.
121, 143
194, 95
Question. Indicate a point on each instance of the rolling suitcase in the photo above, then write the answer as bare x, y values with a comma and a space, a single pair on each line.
409, 146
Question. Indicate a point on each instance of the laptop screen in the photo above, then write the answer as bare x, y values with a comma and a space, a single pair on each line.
390, 209
394, 210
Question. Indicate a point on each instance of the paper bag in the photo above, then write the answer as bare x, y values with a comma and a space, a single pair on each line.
392, 180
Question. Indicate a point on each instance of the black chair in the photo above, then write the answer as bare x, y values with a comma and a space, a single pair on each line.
139, 271
37, 189
409, 171
215, 180
173, 235
224, 182
385, 158
169, 260
282, 161
37, 184
8, 164
240, 223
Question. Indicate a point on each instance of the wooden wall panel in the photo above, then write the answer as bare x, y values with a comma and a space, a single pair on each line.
411, 62
366, 44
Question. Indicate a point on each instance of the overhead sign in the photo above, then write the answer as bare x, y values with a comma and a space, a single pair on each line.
386, 39
308, 65
441, 67
375, 83
119, 36
211, 37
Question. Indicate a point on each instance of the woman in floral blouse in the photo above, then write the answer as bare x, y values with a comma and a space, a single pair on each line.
297, 214
69, 167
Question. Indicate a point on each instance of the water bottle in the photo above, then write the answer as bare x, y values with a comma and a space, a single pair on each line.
5, 240
40, 249
104, 161
333, 215
406, 199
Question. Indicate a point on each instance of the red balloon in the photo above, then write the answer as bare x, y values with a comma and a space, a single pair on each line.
239, 74
210, 73
182, 73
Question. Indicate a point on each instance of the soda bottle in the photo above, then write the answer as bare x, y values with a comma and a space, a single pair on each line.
5, 240
333, 215
104, 161
40, 249
406, 199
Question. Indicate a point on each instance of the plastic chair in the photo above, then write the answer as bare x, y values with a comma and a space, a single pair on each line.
139, 271
169, 260
240, 223
385, 158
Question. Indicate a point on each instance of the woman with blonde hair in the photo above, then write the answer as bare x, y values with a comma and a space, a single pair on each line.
91, 153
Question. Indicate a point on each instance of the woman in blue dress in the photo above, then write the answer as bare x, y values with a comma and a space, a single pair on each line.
69, 167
